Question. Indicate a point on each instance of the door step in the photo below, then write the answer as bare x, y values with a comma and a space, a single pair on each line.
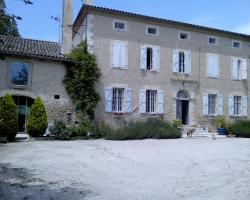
22, 137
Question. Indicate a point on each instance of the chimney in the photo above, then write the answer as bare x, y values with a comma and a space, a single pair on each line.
67, 22
88, 2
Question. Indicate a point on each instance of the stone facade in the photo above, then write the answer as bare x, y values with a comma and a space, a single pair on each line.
45, 80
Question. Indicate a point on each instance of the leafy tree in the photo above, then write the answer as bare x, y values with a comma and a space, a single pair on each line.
37, 122
8, 25
81, 77
8, 118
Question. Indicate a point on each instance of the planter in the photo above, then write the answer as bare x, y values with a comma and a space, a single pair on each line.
222, 131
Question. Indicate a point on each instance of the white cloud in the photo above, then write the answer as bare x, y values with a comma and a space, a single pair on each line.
243, 28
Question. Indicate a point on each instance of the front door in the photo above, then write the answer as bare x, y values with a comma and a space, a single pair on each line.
182, 111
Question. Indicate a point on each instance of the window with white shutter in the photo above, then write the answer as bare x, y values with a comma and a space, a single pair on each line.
220, 105
244, 69
239, 69
142, 101
176, 60
237, 106
128, 101
119, 54
187, 62
181, 61
205, 104
156, 59
212, 65
212, 101
244, 106
231, 105
150, 58
143, 57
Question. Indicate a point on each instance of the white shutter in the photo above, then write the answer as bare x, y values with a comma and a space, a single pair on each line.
220, 105
176, 61
205, 104
128, 101
123, 55
156, 58
244, 69
213, 65
142, 101
160, 102
108, 99
143, 57
231, 105
116, 54
235, 69
187, 62
244, 106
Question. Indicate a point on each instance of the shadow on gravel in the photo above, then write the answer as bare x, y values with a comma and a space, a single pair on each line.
18, 184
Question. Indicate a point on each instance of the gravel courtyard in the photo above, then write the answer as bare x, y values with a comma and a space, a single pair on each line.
132, 170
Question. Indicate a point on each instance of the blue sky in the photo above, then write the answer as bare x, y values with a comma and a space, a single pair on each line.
232, 15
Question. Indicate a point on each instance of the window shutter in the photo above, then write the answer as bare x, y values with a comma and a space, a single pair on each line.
116, 54
176, 61
213, 65
244, 69
187, 62
161, 102
205, 104
108, 99
244, 106
234, 69
142, 101
143, 57
123, 55
231, 105
156, 58
128, 101
220, 105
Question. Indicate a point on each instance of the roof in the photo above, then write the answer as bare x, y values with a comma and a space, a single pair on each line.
88, 8
27, 47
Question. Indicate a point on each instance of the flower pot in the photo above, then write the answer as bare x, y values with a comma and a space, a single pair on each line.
222, 131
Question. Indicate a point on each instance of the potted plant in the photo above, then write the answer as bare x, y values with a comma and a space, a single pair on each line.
222, 125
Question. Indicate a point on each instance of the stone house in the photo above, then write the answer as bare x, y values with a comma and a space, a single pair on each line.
158, 67
32, 68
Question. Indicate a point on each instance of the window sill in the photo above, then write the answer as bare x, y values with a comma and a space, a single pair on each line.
20, 87
120, 68
150, 71
213, 77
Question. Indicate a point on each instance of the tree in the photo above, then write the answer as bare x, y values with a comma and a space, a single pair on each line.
8, 118
81, 77
8, 25
37, 121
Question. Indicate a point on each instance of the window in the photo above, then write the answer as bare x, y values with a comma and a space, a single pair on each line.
118, 100
239, 69
120, 54
184, 35
212, 40
150, 56
19, 73
152, 30
151, 101
213, 65
212, 104
120, 25
57, 96
182, 61
237, 105
236, 44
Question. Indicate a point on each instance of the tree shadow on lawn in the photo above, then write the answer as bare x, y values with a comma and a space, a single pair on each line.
18, 184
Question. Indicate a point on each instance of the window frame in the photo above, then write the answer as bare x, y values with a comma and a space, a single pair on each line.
240, 106
120, 21
236, 41
215, 104
153, 27
181, 66
9, 77
216, 40
116, 100
184, 32
148, 101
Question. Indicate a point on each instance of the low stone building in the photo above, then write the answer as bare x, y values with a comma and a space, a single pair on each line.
32, 68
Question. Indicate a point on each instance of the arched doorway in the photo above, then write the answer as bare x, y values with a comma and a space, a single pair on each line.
24, 104
182, 106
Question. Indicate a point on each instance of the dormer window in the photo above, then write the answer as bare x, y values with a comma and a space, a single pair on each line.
151, 30
120, 25
212, 40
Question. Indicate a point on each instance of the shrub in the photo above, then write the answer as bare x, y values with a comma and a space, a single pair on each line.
60, 130
152, 128
240, 128
8, 117
37, 122
177, 123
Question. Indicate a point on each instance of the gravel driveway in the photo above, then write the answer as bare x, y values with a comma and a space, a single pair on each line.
190, 169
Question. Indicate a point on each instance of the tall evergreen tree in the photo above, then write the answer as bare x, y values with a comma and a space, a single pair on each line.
8, 25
